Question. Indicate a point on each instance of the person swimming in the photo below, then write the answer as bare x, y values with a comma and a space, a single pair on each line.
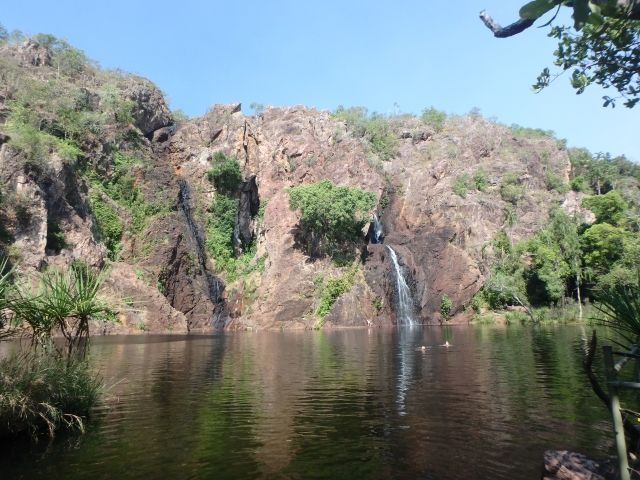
446, 344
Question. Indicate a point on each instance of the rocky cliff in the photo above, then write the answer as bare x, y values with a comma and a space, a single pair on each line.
144, 160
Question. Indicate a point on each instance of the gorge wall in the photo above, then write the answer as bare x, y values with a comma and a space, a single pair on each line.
162, 263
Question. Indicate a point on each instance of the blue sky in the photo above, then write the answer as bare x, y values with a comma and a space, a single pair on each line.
325, 53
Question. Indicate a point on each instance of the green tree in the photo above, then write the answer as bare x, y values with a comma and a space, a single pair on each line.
445, 306
330, 215
374, 128
382, 140
601, 172
603, 246
65, 59
608, 208
461, 185
225, 173
258, 108
434, 118
604, 49
480, 180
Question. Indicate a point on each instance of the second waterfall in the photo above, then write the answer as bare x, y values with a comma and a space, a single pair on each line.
405, 304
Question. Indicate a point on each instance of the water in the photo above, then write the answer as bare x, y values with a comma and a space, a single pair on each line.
341, 404
377, 229
405, 304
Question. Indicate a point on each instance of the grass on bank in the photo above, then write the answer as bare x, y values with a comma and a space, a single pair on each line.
50, 384
41, 393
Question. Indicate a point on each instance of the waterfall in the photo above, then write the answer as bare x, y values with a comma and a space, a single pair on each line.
214, 286
405, 305
377, 229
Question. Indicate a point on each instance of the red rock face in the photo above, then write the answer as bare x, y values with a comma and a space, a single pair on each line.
438, 236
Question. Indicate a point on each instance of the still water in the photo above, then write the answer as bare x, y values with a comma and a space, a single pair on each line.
341, 404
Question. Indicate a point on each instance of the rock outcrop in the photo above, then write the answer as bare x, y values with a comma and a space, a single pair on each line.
560, 464
166, 267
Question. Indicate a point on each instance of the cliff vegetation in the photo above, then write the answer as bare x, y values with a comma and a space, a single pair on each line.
266, 220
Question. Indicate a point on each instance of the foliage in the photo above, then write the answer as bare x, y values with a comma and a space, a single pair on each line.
65, 59
554, 182
374, 128
108, 225
113, 103
33, 145
461, 185
621, 309
510, 216
577, 183
480, 180
445, 306
60, 302
382, 140
603, 246
377, 302
602, 50
527, 132
464, 182
510, 190
604, 53
434, 118
123, 189
356, 119
179, 114
258, 108
55, 236
330, 215
225, 173
608, 208
478, 302
220, 230
40, 393
335, 287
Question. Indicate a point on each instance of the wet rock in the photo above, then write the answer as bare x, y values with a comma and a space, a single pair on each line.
561, 464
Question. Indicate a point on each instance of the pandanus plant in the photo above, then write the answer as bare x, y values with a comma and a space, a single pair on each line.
55, 302
621, 310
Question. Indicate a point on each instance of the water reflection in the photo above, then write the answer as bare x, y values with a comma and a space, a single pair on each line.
332, 404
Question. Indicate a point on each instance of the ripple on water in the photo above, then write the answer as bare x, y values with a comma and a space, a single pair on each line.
338, 404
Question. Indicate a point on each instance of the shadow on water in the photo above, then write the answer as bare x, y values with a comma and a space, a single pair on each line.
332, 404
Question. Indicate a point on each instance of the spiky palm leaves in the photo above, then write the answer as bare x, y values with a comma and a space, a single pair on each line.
56, 302
621, 309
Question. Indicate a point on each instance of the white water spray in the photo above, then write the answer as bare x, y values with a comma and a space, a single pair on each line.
405, 305
377, 229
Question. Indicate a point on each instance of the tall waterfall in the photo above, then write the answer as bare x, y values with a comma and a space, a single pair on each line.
377, 229
405, 305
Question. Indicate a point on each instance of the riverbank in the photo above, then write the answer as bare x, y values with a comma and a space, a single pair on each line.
41, 394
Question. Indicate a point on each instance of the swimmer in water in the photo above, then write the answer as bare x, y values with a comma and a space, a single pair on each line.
446, 344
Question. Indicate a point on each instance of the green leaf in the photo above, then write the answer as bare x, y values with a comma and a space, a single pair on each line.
595, 19
581, 13
537, 8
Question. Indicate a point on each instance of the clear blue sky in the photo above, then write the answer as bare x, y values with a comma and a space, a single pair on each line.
326, 53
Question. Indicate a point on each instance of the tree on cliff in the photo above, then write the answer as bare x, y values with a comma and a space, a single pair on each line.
330, 215
602, 48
